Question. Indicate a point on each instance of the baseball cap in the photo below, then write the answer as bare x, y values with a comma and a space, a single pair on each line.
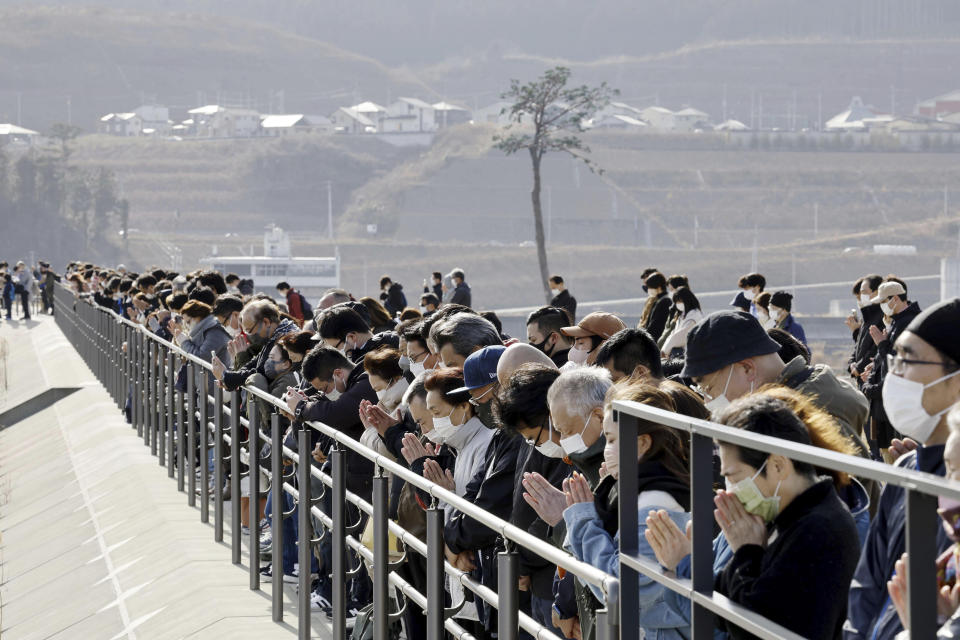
723, 338
598, 323
480, 368
888, 289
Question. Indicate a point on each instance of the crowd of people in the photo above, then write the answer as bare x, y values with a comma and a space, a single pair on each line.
524, 429
28, 287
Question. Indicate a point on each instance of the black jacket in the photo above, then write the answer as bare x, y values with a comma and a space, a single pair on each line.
529, 460
436, 290
881, 429
560, 358
864, 348
461, 295
658, 316
568, 303
343, 414
800, 580
233, 380
393, 299
871, 614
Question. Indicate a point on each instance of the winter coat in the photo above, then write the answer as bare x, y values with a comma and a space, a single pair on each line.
871, 614
293, 304
233, 380
864, 348
393, 299
462, 295
591, 543
794, 328
384, 339
800, 579
343, 414
657, 319
567, 302
881, 429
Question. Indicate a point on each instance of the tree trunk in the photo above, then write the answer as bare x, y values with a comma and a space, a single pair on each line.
538, 225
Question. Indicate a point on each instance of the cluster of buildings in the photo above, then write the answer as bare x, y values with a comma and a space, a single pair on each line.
407, 116
939, 114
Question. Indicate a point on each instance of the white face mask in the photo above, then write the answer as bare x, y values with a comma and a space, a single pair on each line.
748, 294
404, 363
578, 356
434, 436
680, 307
333, 394
575, 444
887, 307
903, 402
720, 402
448, 432
865, 299
555, 292
611, 458
417, 368
380, 394
549, 448
230, 330
423, 309
777, 314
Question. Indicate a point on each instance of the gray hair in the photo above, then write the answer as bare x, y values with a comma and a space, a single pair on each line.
465, 332
581, 390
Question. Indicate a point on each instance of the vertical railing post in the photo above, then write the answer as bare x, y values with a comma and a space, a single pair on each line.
164, 408
435, 587
276, 500
381, 557
191, 425
151, 390
508, 602
608, 618
218, 463
181, 435
338, 564
134, 348
628, 426
305, 549
156, 442
701, 550
171, 412
204, 433
253, 449
922, 526
142, 396
235, 478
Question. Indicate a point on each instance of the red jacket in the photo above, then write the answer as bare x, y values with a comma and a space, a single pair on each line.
293, 304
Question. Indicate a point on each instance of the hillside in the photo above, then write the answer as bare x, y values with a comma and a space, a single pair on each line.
108, 60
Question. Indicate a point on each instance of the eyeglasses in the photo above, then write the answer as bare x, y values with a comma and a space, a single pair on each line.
897, 363
417, 357
476, 401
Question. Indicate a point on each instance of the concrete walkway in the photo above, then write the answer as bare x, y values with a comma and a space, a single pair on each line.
95, 540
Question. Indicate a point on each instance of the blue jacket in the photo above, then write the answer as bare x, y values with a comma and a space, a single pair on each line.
589, 542
794, 328
870, 612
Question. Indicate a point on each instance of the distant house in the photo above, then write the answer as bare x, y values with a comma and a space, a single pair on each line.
857, 117
146, 119
920, 123
617, 121
287, 124
409, 115
940, 106
690, 119
349, 120
449, 115
214, 121
621, 109
659, 118
12, 133
731, 125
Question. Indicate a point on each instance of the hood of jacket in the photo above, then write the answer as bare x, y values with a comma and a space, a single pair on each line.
203, 326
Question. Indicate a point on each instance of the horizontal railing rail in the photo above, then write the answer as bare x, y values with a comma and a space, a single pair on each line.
921, 491
140, 367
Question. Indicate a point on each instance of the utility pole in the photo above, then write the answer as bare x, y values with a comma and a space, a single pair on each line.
330, 209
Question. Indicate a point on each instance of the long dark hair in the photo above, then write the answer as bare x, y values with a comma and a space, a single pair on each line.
684, 296
655, 280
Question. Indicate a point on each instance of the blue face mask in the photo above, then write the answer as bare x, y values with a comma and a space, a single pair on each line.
270, 369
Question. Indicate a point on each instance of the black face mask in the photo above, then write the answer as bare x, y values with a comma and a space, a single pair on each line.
542, 346
485, 414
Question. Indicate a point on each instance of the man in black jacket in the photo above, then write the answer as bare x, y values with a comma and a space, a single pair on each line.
865, 349
545, 332
562, 298
391, 295
461, 292
892, 300
262, 325
342, 328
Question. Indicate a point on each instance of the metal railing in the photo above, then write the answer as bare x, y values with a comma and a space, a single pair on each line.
134, 364
921, 491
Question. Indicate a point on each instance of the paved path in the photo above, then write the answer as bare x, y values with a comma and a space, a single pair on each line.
95, 540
